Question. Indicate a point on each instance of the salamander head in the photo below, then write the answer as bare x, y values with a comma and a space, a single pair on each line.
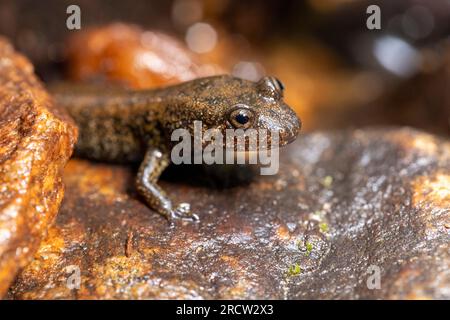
226, 102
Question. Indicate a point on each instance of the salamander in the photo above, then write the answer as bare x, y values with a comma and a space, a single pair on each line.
126, 126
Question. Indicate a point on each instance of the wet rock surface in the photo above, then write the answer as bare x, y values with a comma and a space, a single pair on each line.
342, 205
36, 140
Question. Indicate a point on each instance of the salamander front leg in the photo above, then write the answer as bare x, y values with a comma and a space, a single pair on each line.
149, 172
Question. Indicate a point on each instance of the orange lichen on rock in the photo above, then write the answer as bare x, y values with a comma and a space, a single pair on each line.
96, 180
130, 55
435, 190
36, 140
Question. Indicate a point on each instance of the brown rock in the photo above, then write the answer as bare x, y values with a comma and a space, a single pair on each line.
129, 55
36, 140
341, 204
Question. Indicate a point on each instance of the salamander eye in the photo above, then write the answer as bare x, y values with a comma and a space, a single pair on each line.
271, 87
279, 85
241, 117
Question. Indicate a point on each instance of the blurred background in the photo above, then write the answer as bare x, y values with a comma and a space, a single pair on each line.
337, 73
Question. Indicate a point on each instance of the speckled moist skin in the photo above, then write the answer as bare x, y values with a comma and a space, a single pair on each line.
132, 126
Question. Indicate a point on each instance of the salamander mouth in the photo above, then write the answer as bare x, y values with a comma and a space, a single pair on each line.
281, 138
290, 132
